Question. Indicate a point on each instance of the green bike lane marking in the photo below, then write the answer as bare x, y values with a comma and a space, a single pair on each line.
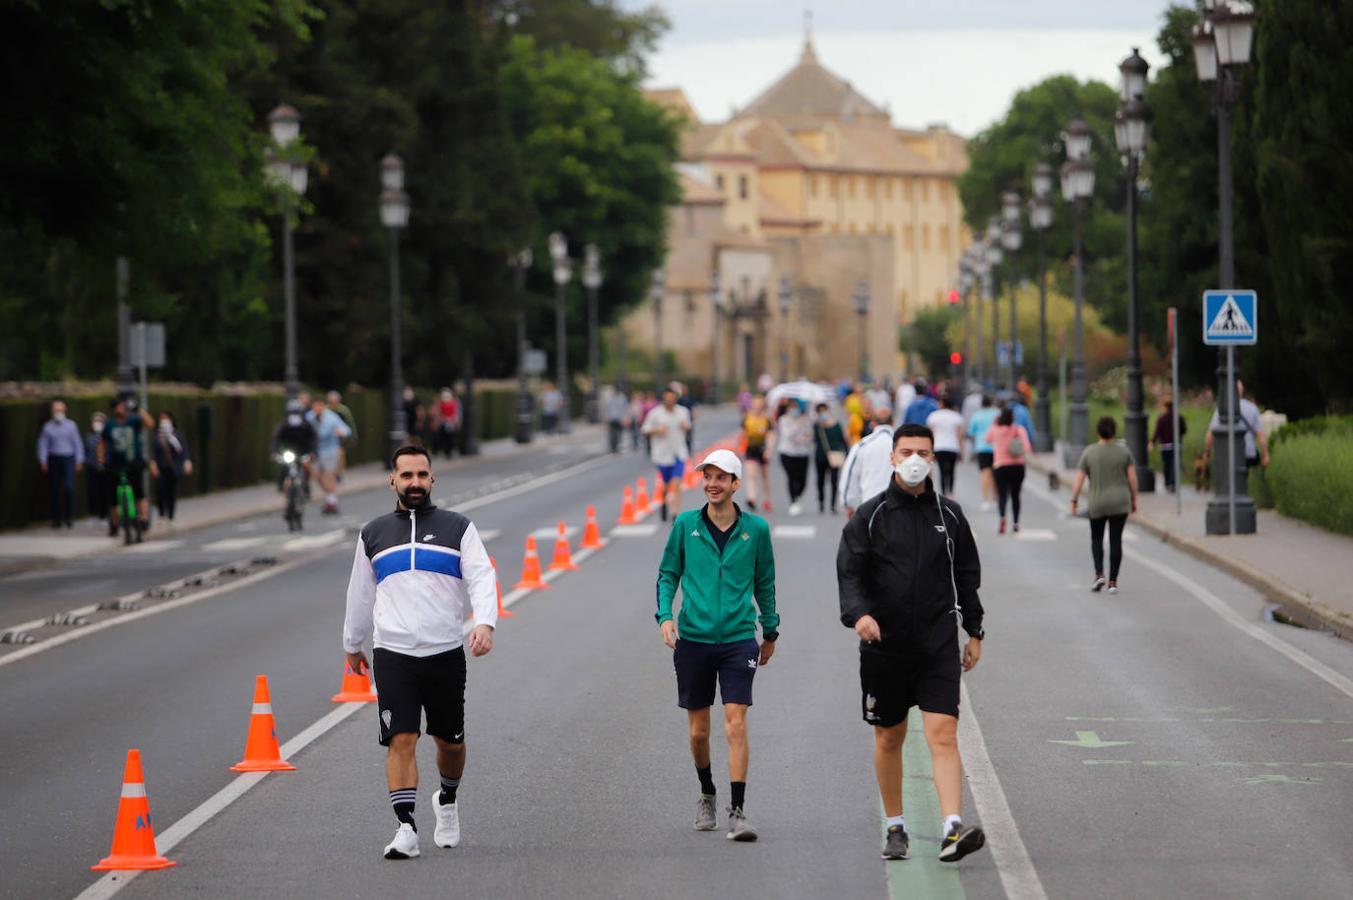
923, 875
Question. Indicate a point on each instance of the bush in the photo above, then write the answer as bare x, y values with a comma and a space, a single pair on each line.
1311, 477
1313, 425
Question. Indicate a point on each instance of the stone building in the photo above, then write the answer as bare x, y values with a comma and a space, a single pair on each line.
812, 186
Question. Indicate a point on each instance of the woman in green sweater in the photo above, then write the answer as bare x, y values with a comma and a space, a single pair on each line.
1113, 495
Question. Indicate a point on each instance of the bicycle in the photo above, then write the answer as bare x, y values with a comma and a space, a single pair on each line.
126, 510
294, 486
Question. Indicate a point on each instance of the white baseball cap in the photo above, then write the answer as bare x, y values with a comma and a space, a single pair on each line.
724, 460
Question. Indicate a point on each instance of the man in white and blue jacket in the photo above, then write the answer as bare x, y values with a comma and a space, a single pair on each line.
416, 573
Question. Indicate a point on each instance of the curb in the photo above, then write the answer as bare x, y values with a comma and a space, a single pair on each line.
1301, 608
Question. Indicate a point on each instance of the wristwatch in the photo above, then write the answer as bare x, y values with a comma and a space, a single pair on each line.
771, 636
980, 635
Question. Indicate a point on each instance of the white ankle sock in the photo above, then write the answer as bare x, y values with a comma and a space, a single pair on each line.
949, 824
897, 820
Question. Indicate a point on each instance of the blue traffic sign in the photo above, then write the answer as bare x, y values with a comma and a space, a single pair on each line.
1230, 317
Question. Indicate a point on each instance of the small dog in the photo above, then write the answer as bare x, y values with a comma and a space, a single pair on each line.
1054, 482
1202, 474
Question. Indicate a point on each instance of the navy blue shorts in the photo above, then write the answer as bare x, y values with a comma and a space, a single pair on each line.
699, 666
673, 472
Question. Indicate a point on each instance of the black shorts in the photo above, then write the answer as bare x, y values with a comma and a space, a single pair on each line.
409, 685
755, 454
893, 681
985, 460
699, 665
113, 478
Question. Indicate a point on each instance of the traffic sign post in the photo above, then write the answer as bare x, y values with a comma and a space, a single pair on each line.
1230, 319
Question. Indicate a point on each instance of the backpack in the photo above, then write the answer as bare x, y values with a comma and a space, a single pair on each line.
1015, 446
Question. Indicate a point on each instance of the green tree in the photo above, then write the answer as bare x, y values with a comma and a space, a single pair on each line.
926, 337
598, 27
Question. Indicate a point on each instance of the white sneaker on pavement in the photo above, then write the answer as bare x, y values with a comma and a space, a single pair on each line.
447, 832
405, 844
795, 509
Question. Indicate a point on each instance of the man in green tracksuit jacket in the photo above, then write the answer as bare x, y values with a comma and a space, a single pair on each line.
722, 558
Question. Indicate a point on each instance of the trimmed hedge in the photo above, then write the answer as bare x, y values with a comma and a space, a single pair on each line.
1310, 477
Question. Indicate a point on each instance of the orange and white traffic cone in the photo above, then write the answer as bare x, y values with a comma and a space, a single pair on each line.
690, 480
591, 533
563, 555
530, 570
356, 687
641, 498
627, 516
133, 836
503, 612
261, 753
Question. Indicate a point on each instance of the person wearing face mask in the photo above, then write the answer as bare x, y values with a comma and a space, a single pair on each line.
95, 488
795, 436
907, 572
418, 574
172, 463
61, 454
830, 456
1010, 444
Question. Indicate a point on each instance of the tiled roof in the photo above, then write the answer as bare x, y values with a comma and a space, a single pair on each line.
808, 89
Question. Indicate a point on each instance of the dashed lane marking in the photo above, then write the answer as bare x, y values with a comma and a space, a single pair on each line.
540, 533
634, 531
488, 534
231, 544
315, 541
152, 547
794, 532
1036, 534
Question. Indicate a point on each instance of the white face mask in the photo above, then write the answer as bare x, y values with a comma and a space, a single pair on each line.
98, 427
59, 416
166, 426
912, 470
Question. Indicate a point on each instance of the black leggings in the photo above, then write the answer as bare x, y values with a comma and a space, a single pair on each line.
1116, 524
946, 459
796, 468
822, 471
1009, 481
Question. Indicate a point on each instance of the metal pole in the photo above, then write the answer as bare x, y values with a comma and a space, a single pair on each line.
1043, 404
718, 374
995, 296
967, 343
1061, 388
290, 375
621, 378
469, 427
1174, 411
784, 345
593, 359
864, 345
561, 359
124, 325
525, 411
1014, 335
979, 289
1078, 421
659, 362
398, 425
1134, 420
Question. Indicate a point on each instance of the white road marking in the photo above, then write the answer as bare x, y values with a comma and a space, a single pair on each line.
1130, 536
314, 541
552, 533
242, 543
488, 534
1036, 534
794, 532
247, 526
152, 547
634, 531
1018, 877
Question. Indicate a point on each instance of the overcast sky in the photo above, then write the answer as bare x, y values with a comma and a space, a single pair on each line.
952, 61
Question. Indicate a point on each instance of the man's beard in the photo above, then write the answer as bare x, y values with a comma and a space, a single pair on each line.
414, 498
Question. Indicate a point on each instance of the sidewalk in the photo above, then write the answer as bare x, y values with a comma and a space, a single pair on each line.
41, 546
1305, 569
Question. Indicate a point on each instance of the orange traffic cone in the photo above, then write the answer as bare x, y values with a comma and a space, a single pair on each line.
530, 570
591, 533
641, 498
563, 556
627, 516
690, 480
133, 837
503, 613
261, 753
356, 687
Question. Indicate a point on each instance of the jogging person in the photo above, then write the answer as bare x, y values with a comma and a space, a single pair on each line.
868, 467
417, 571
907, 572
666, 426
722, 559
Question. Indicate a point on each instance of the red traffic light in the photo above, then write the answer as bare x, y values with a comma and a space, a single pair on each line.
956, 358
953, 296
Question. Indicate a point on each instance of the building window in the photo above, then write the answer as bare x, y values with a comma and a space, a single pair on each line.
690, 220
812, 185
888, 229
835, 185
887, 189
906, 185
925, 237
718, 182
925, 190
902, 303
908, 237
870, 186
850, 187
944, 237
742, 187
851, 228
872, 228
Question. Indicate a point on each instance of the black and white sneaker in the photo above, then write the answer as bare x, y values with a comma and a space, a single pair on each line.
960, 841
739, 829
897, 845
1097, 585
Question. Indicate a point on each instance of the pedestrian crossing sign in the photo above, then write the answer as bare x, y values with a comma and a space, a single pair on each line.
1230, 317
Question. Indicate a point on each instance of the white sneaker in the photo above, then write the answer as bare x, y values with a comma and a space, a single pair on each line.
795, 509
447, 832
405, 844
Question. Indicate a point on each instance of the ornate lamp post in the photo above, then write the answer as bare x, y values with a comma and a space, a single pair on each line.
965, 286
285, 124
394, 204
786, 294
1132, 126
1011, 239
994, 257
1221, 47
656, 291
1078, 185
861, 299
1040, 217
592, 281
563, 273
716, 309
981, 270
520, 262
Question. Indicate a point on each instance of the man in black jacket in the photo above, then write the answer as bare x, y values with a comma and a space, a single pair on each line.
907, 571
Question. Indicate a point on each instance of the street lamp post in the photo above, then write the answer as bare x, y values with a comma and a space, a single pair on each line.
965, 284
1078, 184
592, 281
861, 298
520, 262
981, 272
285, 124
1221, 46
1011, 239
1040, 217
394, 205
786, 294
563, 272
716, 309
994, 256
656, 291
1131, 129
